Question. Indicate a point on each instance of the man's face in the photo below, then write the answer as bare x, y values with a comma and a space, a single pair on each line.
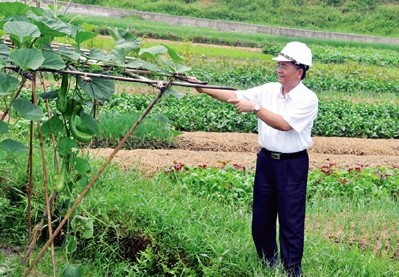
287, 73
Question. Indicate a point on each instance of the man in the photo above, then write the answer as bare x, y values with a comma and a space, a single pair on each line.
286, 111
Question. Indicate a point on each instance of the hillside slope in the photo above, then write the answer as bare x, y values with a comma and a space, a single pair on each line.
365, 17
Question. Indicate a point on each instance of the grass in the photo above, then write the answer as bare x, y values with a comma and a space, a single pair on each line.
188, 49
155, 131
366, 225
147, 227
194, 236
361, 17
150, 29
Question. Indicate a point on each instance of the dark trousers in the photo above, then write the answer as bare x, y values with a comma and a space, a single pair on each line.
280, 191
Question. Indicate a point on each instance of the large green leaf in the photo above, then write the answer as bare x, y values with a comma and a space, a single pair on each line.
72, 271
43, 42
22, 31
27, 59
118, 33
66, 146
8, 9
83, 36
175, 93
118, 57
153, 52
8, 84
28, 110
13, 147
81, 165
50, 95
99, 55
84, 225
3, 127
53, 61
124, 39
169, 66
182, 69
52, 126
88, 123
70, 245
51, 26
98, 88
71, 54
4, 50
138, 63
172, 53
127, 44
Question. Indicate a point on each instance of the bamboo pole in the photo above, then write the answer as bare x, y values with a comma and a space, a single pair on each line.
162, 88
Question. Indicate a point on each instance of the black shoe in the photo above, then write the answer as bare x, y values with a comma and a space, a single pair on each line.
294, 271
269, 262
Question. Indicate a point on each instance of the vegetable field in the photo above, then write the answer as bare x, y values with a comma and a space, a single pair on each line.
218, 149
111, 164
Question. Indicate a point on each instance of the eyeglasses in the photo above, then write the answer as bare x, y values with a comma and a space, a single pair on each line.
285, 67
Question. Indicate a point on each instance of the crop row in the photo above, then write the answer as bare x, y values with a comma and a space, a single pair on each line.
234, 183
348, 77
326, 54
201, 113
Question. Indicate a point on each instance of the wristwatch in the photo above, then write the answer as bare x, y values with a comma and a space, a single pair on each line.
256, 109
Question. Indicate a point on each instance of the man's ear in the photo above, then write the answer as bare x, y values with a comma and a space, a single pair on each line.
300, 73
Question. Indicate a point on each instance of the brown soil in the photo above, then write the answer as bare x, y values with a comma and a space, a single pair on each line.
217, 149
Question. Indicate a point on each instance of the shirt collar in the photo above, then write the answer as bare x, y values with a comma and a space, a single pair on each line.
294, 93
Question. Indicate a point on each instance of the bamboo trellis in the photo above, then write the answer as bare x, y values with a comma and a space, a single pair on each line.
133, 75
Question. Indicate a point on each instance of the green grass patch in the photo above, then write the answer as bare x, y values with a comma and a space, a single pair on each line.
162, 227
155, 131
359, 17
156, 30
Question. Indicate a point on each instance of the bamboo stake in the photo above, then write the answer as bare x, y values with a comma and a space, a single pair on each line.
49, 116
30, 182
37, 231
45, 181
162, 87
48, 206
127, 79
5, 112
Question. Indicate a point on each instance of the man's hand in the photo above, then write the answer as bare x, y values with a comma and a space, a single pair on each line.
192, 79
242, 105
219, 94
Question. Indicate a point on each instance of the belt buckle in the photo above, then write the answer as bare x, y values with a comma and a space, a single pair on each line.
275, 156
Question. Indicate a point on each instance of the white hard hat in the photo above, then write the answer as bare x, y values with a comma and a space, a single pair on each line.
296, 52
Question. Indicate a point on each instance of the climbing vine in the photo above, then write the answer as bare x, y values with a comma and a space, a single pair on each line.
29, 52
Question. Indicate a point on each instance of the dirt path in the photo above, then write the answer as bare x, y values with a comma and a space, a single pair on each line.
217, 149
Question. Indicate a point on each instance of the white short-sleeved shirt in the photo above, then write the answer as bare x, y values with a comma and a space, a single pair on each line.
299, 108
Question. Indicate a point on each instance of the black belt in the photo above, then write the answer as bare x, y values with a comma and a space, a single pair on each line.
283, 156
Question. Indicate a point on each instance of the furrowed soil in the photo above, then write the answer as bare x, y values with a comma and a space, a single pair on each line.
219, 149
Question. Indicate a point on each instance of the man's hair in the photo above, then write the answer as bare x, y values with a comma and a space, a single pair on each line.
304, 68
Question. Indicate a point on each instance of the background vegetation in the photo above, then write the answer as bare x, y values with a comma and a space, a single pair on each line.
348, 16
188, 221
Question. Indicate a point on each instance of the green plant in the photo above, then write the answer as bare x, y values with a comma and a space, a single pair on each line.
337, 117
359, 17
156, 130
28, 50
